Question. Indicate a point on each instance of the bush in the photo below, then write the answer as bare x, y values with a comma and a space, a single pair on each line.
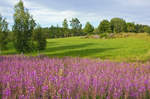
104, 35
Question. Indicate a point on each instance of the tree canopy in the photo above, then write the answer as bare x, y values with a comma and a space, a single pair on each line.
39, 38
88, 28
23, 28
104, 27
3, 33
130, 27
118, 25
76, 26
65, 24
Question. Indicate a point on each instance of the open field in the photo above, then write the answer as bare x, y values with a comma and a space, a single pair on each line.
135, 48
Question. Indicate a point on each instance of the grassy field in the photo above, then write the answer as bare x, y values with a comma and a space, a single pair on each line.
120, 49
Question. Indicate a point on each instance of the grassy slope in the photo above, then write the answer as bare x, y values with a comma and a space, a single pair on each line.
121, 49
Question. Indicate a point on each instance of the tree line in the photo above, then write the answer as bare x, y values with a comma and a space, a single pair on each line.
115, 25
28, 36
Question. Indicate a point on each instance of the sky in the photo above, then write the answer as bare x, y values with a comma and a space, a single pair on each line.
53, 12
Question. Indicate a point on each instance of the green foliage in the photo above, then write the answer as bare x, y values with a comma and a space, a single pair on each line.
65, 28
118, 25
3, 33
104, 35
96, 31
23, 28
147, 28
65, 24
88, 29
130, 27
46, 32
76, 27
139, 28
104, 27
75, 23
10, 36
56, 32
40, 38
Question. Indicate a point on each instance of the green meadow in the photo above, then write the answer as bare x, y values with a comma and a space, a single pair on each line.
119, 49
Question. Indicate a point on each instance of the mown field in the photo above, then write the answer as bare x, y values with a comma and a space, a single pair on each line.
135, 48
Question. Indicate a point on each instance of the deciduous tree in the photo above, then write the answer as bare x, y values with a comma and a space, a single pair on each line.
3, 33
104, 27
40, 38
65, 28
118, 25
130, 27
76, 26
88, 28
23, 28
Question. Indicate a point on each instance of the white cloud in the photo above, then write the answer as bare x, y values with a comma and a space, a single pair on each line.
44, 15
41, 14
47, 16
5, 11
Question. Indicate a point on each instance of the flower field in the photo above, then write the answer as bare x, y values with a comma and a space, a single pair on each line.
23, 77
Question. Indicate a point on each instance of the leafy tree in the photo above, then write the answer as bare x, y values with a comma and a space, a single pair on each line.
147, 29
104, 27
118, 25
65, 28
96, 31
65, 24
3, 33
130, 27
139, 28
75, 23
88, 28
51, 31
59, 32
40, 38
76, 26
23, 28
46, 31
56, 32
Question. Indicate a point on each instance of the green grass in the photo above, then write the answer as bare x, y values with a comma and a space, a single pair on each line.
121, 49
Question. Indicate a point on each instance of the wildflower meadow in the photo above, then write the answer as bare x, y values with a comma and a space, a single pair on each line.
26, 77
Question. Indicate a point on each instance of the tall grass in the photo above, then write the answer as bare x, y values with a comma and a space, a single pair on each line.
72, 78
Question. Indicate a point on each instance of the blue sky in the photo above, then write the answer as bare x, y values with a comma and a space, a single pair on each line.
53, 12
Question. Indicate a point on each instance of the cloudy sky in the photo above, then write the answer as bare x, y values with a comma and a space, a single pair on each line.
53, 12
